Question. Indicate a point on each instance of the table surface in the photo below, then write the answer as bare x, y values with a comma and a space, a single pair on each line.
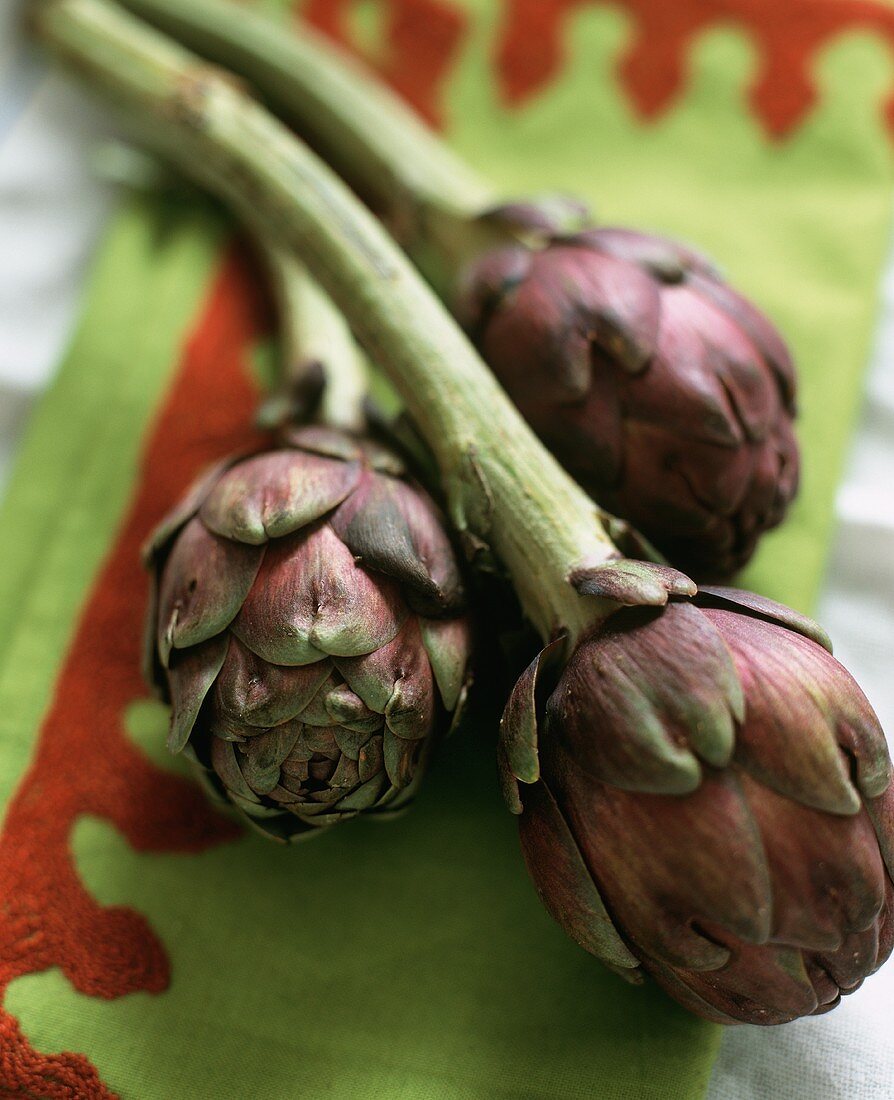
52, 210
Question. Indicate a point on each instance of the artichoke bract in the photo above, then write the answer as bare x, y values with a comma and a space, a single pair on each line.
731, 834
308, 630
666, 394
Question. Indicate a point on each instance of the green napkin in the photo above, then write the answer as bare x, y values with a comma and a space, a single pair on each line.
178, 957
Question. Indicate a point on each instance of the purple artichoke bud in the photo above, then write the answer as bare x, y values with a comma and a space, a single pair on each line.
308, 630
667, 395
711, 803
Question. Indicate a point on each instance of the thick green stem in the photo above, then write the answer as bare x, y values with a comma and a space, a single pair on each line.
365, 131
503, 488
442, 212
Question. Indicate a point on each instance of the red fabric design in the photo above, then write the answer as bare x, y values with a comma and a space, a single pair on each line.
788, 36
84, 762
422, 40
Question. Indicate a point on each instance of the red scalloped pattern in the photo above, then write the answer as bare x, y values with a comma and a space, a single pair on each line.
422, 43
84, 762
788, 36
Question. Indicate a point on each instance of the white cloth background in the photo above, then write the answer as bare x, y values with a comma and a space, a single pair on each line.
52, 209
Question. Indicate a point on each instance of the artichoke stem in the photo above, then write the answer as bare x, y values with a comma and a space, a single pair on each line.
505, 491
322, 371
369, 135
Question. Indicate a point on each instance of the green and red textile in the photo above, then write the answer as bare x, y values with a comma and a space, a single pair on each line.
175, 955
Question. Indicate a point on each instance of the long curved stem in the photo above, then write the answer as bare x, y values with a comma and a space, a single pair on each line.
369, 135
505, 491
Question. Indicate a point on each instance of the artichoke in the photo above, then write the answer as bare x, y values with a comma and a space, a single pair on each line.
308, 631
667, 395
710, 802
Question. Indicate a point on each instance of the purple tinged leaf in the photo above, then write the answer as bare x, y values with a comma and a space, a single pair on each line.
256, 814
351, 742
540, 216
265, 754
190, 678
681, 392
396, 680
794, 685
346, 775
371, 759
622, 740
759, 330
228, 729
391, 527
226, 764
399, 756
759, 985
886, 926
311, 599
324, 821
572, 300
827, 992
675, 983
729, 355
484, 285
322, 740
322, 799
315, 712
643, 699
518, 726
667, 867
615, 306
295, 769
410, 710
394, 803
320, 803
589, 434
261, 776
881, 811
348, 711
827, 872
207, 778
632, 583
285, 797
363, 797
509, 785
448, 643
688, 499
854, 960
744, 380
563, 882
203, 584
328, 442
668, 260
254, 692
750, 603
276, 493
